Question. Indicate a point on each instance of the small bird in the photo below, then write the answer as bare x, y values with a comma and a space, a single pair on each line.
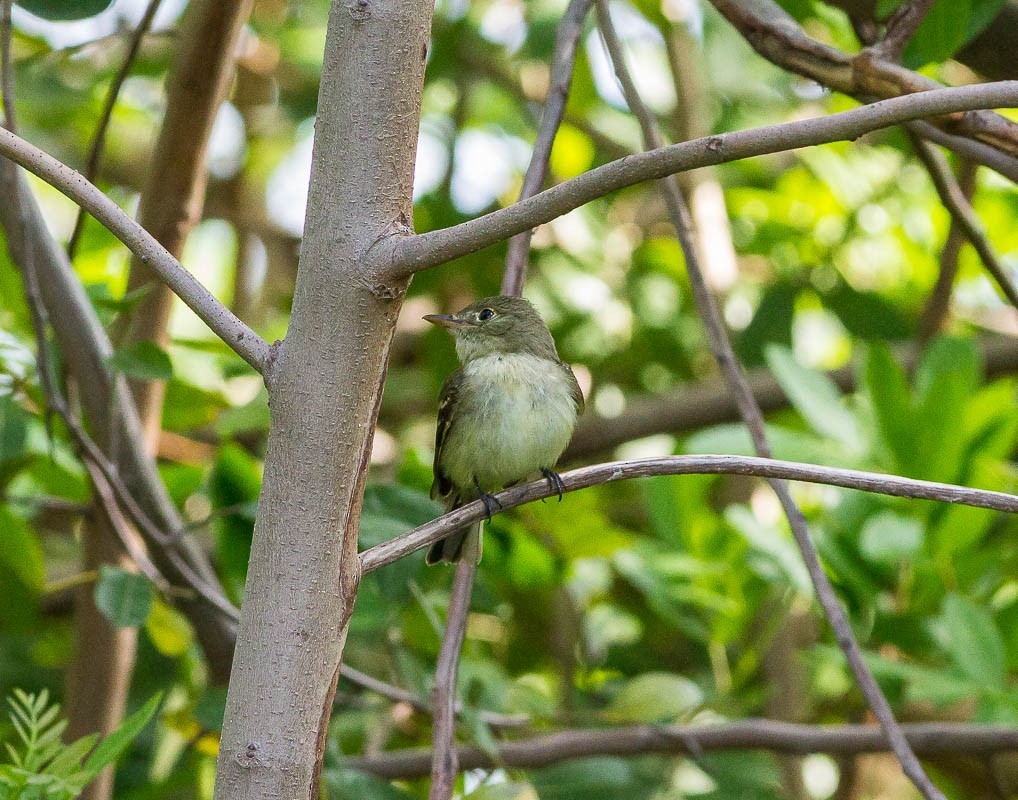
504, 417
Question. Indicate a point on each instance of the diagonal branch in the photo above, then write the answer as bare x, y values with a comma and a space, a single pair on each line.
235, 333
776, 36
901, 28
963, 215
400, 256
721, 347
444, 764
927, 739
892, 485
99, 139
562, 62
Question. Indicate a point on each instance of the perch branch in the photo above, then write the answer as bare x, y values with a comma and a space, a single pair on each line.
892, 485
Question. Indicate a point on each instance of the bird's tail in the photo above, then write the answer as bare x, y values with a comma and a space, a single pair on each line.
465, 542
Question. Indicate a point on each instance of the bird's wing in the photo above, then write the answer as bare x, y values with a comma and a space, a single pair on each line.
575, 391
447, 400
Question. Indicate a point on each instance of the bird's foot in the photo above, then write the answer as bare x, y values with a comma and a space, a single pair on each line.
555, 480
491, 504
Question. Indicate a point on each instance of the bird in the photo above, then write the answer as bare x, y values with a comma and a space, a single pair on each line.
504, 417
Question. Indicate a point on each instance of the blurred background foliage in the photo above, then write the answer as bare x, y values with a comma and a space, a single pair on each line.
673, 599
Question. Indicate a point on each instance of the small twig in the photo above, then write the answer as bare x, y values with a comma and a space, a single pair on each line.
892, 485
234, 332
99, 138
444, 764
954, 200
931, 320
398, 695
45, 503
753, 734
6, 67
901, 27
562, 61
721, 347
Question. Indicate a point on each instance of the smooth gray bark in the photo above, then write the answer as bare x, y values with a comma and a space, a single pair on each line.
325, 385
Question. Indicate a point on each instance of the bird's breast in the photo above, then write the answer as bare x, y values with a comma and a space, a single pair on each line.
519, 415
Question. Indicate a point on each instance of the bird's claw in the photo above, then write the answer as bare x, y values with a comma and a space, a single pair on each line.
491, 503
555, 480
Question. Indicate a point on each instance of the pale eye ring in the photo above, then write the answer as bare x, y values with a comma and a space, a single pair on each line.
486, 314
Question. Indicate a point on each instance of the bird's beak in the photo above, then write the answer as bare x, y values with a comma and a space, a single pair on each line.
447, 321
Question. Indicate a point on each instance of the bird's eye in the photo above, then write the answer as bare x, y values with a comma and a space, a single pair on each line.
486, 314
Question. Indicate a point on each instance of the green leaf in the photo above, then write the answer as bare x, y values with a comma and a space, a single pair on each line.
655, 697
20, 551
888, 537
68, 760
65, 9
885, 8
941, 33
815, 396
973, 641
124, 598
112, 746
891, 399
775, 550
143, 360
168, 629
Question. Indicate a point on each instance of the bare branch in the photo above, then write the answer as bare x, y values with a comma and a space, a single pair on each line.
99, 138
405, 255
6, 67
237, 335
444, 766
721, 347
901, 28
939, 302
955, 201
562, 61
893, 485
927, 739
982, 154
776, 36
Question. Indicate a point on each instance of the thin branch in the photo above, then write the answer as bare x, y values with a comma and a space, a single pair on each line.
398, 695
901, 27
955, 201
776, 36
721, 347
6, 67
982, 154
562, 61
927, 739
400, 256
892, 485
931, 320
235, 333
99, 138
444, 763
45, 503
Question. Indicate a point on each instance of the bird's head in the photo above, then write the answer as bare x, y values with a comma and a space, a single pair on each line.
495, 325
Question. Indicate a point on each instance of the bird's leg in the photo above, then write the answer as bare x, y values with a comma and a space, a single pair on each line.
555, 480
490, 501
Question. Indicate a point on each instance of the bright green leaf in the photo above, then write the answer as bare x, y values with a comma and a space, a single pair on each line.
65, 9
168, 629
888, 537
655, 697
143, 360
20, 551
112, 746
974, 641
815, 396
123, 597
940, 34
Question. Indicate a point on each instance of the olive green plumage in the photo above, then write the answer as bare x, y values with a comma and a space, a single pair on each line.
505, 416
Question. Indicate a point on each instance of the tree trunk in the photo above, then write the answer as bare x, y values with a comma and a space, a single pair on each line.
325, 388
